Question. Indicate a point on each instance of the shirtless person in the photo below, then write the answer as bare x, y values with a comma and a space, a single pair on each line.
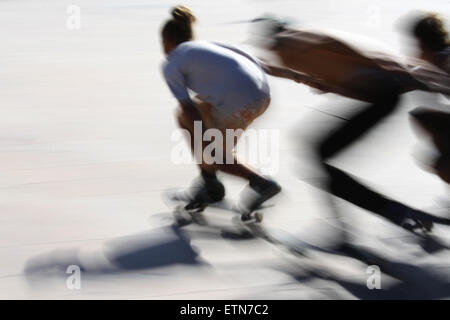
374, 78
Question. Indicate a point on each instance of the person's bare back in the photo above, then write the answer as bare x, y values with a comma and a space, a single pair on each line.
336, 63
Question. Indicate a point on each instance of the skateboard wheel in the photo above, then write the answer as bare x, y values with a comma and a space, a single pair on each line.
428, 226
258, 217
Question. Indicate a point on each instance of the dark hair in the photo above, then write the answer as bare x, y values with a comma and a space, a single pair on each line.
272, 25
430, 31
179, 28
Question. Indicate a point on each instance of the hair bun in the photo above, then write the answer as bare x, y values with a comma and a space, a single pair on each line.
183, 13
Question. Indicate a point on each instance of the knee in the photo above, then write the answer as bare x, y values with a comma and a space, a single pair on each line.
321, 151
421, 113
324, 148
392, 99
388, 102
442, 168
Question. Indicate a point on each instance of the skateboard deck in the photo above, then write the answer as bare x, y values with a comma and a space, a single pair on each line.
214, 216
184, 207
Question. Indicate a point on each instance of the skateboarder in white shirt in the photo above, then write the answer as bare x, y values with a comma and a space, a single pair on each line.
231, 91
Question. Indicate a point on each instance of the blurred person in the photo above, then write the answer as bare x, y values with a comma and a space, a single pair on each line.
434, 47
345, 69
433, 40
231, 91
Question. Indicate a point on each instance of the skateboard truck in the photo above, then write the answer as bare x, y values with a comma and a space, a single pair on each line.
412, 224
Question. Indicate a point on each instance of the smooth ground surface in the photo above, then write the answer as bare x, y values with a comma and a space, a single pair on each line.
86, 152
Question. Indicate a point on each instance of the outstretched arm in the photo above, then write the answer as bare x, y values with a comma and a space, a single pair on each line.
282, 72
296, 76
431, 80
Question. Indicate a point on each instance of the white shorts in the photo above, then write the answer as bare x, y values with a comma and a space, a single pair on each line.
220, 118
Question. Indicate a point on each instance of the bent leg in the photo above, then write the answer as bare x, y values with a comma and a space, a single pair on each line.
357, 126
209, 188
436, 124
237, 123
343, 185
235, 168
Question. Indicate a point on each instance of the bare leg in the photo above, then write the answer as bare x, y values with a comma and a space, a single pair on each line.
265, 188
185, 121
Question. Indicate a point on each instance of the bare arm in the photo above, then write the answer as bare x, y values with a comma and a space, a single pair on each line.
297, 77
432, 80
281, 72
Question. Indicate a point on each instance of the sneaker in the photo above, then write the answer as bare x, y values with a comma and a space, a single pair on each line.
265, 188
208, 190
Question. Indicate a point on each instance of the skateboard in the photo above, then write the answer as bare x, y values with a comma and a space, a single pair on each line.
187, 211
243, 225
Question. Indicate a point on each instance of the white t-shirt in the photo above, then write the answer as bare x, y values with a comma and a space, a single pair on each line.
222, 75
